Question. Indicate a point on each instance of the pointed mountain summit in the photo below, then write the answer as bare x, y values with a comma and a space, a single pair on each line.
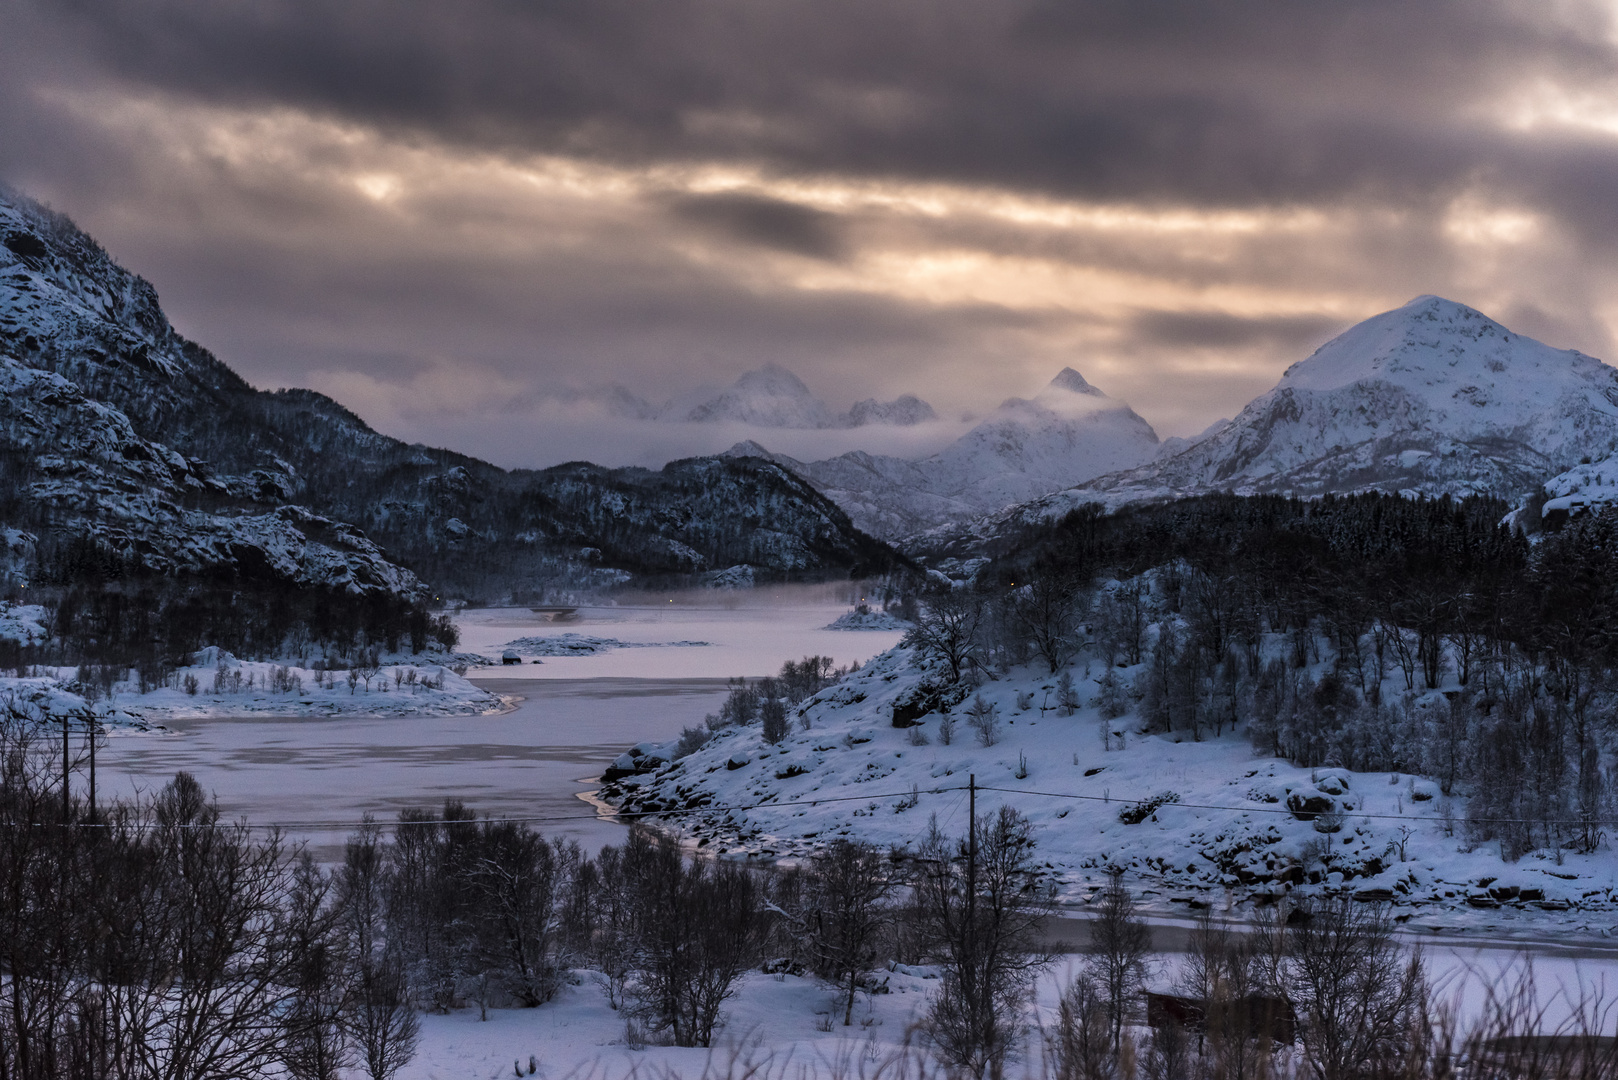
1431, 398
772, 396
1067, 433
1071, 381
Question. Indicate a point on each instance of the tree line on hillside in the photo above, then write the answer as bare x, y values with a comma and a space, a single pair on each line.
1322, 628
108, 609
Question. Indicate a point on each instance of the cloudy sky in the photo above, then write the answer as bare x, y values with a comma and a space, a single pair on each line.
463, 217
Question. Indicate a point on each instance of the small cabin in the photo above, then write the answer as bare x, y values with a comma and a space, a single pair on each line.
1260, 1015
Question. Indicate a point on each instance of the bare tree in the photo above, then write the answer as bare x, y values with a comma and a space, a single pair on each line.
1046, 609
316, 1044
948, 627
1120, 943
844, 912
697, 930
985, 720
1080, 1046
1357, 992
982, 903
378, 1021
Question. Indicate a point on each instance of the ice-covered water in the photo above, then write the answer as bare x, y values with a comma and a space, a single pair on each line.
318, 775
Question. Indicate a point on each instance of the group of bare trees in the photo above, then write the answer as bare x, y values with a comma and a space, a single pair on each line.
158, 941
767, 701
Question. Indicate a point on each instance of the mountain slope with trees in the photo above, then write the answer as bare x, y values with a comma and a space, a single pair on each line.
134, 461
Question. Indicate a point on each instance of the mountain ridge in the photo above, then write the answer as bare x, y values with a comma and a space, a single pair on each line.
116, 428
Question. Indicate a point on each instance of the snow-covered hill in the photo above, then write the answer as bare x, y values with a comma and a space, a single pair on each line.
1192, 821
1067, 433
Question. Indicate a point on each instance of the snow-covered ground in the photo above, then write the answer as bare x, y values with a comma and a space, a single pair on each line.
752, 637
777, 1025
24, 623
1224, 828
216, 684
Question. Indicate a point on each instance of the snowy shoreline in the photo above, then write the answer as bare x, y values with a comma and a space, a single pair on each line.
218, 685
1194, 824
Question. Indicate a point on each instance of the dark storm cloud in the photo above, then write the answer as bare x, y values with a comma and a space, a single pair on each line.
1218, 329
1257, 100
771, 223
886, 195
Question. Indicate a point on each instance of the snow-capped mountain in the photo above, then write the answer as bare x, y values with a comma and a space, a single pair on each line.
115, 428
1067, 433
774, 397
1432, 398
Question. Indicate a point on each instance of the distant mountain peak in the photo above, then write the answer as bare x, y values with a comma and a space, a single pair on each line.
772, 396
1071, 381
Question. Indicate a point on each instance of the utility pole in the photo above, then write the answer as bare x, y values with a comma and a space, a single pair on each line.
90, 727
972, 865
67, 805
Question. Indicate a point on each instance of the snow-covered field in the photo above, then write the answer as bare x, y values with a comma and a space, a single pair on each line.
777, 1025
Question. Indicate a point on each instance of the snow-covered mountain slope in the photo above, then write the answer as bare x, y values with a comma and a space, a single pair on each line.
1433, 397
113, 426
1190, 821
774, 397
1068, 433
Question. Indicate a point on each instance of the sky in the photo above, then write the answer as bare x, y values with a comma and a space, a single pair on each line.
467, 219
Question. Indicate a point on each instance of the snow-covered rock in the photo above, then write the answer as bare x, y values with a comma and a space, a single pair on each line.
867, 619
1591, 487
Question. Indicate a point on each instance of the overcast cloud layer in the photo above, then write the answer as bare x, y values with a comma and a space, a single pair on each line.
455, 216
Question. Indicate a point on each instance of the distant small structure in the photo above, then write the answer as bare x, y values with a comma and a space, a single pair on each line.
510, 657
1259, 1015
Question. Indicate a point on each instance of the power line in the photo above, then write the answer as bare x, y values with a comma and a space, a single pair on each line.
542, 819
687, 811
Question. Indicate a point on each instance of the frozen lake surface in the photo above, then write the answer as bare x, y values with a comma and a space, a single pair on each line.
317, 775
752, 636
